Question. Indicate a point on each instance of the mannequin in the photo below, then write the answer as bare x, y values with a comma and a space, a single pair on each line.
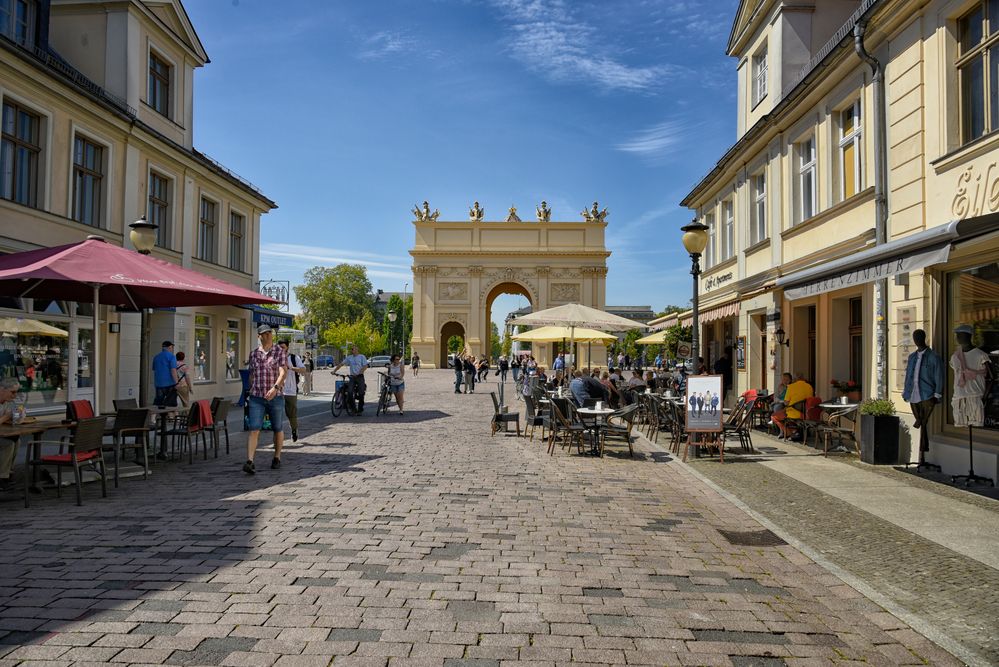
923, 390
971, 379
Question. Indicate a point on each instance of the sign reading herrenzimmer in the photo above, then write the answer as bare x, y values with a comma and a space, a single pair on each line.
869, 272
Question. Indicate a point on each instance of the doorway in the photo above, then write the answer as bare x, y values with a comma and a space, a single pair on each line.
448, 331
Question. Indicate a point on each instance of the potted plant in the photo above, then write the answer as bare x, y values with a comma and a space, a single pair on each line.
848, 388
878, 432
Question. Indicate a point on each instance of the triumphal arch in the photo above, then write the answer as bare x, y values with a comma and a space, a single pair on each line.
461, 266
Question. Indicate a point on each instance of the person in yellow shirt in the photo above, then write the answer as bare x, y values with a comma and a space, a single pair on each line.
797, 391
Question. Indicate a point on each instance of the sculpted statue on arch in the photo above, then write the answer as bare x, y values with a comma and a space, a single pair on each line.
476, 213
595, 214
544, 213
425, 215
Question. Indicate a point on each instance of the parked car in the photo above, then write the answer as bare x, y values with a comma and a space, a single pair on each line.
380, 361
324, 361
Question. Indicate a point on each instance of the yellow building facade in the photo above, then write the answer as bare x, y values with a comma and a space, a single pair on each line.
792, 206
98, 110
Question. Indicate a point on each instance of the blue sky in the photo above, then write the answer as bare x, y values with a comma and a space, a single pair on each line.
347, 113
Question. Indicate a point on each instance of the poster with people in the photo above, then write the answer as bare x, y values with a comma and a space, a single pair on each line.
703, 402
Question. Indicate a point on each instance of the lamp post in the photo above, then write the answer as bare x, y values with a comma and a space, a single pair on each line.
392, 316
405, 290
695, 239
143, 237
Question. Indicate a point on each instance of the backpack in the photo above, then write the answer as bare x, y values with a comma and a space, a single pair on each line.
293, 360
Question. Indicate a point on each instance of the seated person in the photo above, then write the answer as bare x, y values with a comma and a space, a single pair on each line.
615, 376
635, 380
796, 392
584, 387
593, 386
613, 395
779, 402
650, 380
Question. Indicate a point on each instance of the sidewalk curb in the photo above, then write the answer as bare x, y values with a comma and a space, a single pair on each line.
917, 623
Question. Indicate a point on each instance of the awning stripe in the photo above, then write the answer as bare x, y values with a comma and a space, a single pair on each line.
712, 314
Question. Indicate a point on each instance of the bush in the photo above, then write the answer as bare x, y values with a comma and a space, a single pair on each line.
877, 407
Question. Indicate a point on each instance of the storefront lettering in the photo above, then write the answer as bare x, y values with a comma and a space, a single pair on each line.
977, 195
717, 281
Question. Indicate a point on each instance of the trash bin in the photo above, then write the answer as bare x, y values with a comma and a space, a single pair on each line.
879, 439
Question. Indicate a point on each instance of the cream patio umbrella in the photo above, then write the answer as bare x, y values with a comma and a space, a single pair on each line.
574, 316
18, 325
655, 338
551, 334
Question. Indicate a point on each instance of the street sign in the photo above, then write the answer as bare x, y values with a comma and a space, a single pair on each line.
311, 332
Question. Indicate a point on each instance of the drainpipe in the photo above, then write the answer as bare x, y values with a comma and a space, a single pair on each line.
880, 204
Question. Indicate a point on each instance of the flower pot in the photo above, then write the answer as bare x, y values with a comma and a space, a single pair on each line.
879, 439
854, 396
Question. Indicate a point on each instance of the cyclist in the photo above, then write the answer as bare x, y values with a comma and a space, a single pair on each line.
397, 379
357, 363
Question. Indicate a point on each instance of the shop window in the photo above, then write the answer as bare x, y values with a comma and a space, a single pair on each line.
88, 181
973, 298
232, 358
978, 69
857, 340
84, 358
19, 154
202, 347
37, 354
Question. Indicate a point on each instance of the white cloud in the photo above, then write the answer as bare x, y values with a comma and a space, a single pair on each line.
385, 43
288, 257
659, 141
548, 38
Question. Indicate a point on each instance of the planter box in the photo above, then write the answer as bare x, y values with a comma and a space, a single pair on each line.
879, 439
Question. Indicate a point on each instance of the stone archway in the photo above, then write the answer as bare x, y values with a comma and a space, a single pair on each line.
460, 266
505, 287
449, 329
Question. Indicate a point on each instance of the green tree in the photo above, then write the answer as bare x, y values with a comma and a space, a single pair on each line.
668, 310
507, 348
331, 294
495, 341
629, 346
361, 332
455, 344
393, 331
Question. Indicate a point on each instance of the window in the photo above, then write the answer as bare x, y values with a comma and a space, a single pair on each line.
709, 249
760, 75
159, 84
758, 212
806, 179
17, 20
237, 229
850, 148
232, 359
207, 230
728, 232
978, 70
158, 211
973, 298
19, 153
88, 181
857, 340
202, 347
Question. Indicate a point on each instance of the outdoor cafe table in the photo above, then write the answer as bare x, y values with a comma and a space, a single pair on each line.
162, 413
35, 427
599, 417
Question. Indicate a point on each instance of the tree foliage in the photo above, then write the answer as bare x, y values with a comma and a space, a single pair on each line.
402, 328
669, 310
362, 332
506, 349
335, 294
455, 344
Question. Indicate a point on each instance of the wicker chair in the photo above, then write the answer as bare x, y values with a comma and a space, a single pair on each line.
85, 447
132, 424
501, 417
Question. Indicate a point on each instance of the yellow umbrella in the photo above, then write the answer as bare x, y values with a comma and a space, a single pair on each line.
656, 338
17, 325
554, 334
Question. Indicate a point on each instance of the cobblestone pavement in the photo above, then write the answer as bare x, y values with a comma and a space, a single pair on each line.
942, 588
421, 540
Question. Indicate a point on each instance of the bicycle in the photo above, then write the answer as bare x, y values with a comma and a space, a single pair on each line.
384, 395
342, 401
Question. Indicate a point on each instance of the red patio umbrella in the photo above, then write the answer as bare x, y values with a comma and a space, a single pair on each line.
97, 271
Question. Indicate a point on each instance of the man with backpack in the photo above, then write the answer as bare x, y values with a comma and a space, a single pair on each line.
295, 366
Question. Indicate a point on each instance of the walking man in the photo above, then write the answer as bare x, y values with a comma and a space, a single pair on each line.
923, 388
165, 379
458, 370
357, 363
310, 367
504, 366
295, 366
268, 370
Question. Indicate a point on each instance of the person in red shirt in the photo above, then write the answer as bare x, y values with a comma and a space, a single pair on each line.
268, 369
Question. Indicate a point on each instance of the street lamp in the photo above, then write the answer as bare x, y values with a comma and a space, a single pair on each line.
695, 239
781, 337
143, 237
392, 316
405, 290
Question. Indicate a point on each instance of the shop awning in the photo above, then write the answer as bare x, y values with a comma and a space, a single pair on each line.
712, 314
275, 318
911, 253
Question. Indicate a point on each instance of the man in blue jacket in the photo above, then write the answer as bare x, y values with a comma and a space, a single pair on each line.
924, 386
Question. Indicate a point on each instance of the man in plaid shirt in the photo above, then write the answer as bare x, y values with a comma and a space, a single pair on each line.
268, 368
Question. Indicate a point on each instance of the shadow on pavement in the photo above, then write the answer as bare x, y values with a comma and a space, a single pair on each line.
64, 567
